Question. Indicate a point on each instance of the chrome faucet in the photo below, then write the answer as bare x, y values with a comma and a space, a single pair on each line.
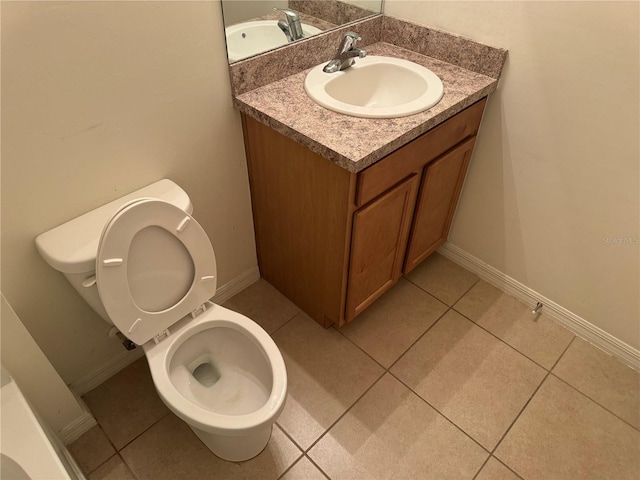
346, 54
292, 28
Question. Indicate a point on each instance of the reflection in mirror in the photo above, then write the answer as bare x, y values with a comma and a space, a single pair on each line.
257, 26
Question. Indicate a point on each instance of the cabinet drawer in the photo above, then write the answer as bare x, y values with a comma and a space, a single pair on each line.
382, 175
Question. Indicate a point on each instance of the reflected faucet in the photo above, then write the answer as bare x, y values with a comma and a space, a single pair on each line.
346, 54
292, 28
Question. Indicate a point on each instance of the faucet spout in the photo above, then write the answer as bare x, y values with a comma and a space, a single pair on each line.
292, 28
346, 54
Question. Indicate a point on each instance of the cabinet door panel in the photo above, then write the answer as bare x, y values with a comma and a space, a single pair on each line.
380, 232
439, 192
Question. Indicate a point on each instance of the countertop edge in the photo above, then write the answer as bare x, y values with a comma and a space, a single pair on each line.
355, 143
358, 165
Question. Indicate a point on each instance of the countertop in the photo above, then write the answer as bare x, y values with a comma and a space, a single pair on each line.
356, 143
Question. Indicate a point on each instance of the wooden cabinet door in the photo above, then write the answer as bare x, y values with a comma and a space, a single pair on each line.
441, 184
378, 245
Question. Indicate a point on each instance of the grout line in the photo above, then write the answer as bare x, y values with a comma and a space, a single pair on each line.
317, 466
388, 369
519, 414
440, 413
313, 444
418, 339
285, 323
465, 293
104, 434
359, 348
286, 434
594, 401
116, 451
303, 453
144, 431
507, 467
440, 300
89, 472
530, 398
503, 341
292, 465
486, 460
511, 346
562, 354
500, 462
133, 474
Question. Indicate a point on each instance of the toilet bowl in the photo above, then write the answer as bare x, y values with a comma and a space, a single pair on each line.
147, 266
223, 375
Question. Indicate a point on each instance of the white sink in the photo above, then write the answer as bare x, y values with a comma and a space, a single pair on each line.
251, 38
376, 87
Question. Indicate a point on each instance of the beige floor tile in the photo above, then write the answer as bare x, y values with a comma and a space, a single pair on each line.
442, 278
92, 449
396, 320
494, 470
114, 469
471, 377
391, 433
540, 338
126, 404
304, 470
326, 374
263, 304
170, 450
564, 435
602, 378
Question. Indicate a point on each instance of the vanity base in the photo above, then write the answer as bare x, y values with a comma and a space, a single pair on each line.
334, 241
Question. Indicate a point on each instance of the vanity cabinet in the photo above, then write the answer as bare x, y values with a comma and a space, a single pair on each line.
333, 241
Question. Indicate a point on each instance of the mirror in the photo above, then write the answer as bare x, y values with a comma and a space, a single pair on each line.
253, 27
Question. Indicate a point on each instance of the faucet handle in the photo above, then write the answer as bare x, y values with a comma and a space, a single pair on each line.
350, 39
353, 35
348, 42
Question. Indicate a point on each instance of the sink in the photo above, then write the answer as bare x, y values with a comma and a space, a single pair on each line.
375, 87
251, 38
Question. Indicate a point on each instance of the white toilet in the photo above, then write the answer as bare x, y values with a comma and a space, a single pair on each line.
145, 265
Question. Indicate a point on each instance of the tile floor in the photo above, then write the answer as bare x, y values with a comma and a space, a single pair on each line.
443, 377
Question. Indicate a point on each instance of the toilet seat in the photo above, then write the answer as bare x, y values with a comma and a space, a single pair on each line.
120, 268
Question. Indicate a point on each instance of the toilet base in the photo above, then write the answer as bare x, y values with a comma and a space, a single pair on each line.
235, 448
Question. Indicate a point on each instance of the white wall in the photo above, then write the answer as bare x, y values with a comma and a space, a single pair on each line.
556, 172
99, 99
36, 377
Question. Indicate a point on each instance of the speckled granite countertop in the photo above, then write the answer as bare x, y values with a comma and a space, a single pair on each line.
351, 142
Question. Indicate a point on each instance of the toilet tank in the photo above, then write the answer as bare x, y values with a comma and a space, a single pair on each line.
71, 248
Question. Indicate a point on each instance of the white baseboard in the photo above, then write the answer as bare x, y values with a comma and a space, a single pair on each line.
125, 358
79, 426
235, 286
103, 373
578, 325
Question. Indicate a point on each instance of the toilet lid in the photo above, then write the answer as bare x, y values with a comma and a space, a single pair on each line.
155, 264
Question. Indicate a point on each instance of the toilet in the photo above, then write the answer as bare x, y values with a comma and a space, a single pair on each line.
146, 266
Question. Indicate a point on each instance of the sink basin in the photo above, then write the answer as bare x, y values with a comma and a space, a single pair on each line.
376, 87
251, 38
